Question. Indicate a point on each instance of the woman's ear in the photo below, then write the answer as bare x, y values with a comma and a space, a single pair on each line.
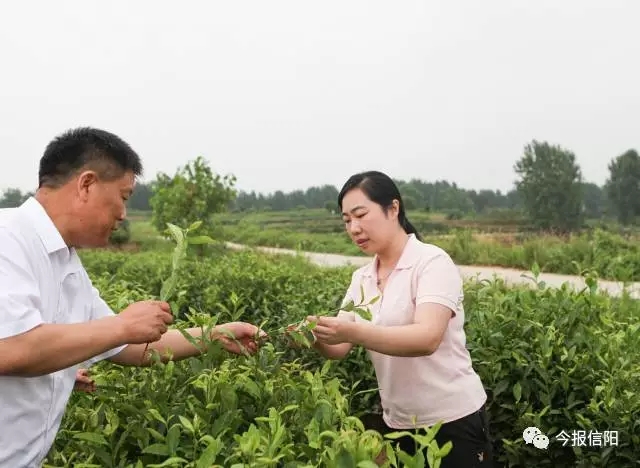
395, 207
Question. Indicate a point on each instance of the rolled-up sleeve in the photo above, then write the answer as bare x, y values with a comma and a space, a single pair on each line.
440, 282
20, 303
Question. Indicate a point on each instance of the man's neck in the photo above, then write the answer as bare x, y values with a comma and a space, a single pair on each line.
57, 208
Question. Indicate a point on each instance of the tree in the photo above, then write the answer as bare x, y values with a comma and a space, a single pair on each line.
595, 200
13, 197
550, 186
623, 186
193, 194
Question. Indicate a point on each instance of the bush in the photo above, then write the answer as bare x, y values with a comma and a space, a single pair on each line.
551, 358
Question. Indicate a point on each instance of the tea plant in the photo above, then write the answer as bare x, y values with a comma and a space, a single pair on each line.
301, 333
183, 239
556, 359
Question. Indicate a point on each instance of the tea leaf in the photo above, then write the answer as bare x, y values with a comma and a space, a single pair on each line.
91, 437
156, 449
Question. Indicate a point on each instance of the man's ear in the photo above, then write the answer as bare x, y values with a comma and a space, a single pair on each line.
85, 182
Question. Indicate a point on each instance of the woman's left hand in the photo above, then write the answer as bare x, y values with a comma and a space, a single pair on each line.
331, 330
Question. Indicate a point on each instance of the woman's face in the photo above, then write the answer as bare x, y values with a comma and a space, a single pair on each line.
369, 227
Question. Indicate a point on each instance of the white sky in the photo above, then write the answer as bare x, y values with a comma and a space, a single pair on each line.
288, 94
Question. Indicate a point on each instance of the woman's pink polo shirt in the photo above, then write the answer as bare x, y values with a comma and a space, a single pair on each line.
419, 391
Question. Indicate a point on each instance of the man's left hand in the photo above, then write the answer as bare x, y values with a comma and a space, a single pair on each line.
244, 337
84, 383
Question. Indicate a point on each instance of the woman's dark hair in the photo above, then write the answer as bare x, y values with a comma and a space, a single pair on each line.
380, 189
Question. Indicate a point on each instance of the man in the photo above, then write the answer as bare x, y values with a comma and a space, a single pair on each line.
51, 317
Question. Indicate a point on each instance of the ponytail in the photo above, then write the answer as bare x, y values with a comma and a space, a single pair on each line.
408, 227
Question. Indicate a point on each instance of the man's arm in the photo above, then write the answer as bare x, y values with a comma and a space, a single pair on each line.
49, 348
28, 346
236, 337
172, 345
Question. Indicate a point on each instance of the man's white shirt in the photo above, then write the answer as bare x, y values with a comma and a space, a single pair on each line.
42, 281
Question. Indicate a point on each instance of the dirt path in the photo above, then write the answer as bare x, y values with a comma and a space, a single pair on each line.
509, 275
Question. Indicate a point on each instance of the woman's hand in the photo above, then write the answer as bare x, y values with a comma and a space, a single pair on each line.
332, 330
297, 336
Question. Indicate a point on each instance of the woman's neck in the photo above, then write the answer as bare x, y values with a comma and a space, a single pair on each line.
390, 256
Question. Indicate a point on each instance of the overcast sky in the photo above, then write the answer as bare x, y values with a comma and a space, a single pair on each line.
288, 94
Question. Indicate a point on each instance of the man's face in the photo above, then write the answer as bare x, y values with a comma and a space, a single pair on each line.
101, 207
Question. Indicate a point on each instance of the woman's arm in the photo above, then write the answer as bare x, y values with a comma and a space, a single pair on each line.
420, 338
337, 351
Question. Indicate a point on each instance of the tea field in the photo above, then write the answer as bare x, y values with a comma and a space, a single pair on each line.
613, 253
551, 358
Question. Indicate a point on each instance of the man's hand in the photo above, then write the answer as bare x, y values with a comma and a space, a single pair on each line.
145, 321
244, 337
83, 382
331, 330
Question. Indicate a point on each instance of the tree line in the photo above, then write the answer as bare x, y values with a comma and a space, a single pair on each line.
549, 190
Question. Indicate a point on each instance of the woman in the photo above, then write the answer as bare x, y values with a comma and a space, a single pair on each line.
415, 338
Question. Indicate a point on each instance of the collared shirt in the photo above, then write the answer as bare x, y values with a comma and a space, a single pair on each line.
42, 281
426, 389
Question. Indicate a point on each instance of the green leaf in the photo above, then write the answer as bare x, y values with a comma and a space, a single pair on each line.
91, 437
209, 455
517, 391
157, 449
197, 240
367, 464
195, 225
173, 461
187, 424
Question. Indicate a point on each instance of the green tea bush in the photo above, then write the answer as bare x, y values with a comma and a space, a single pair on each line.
551, 358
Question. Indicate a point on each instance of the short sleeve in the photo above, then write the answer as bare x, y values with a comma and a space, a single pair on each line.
440, 282
100, 309
20, 302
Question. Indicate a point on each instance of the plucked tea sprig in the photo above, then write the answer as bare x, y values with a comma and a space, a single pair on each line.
183, 238
301, 332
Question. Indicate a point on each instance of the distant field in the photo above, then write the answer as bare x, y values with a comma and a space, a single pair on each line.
322, 221
611, 255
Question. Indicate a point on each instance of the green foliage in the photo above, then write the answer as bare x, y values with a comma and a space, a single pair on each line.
215, 410
551, 358
611, 255
623, 186
193, 194
557, 360
550, 184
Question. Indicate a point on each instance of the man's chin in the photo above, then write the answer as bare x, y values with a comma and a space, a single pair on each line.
94, 244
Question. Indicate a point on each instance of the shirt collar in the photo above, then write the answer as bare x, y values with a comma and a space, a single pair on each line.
43, 226
407, 259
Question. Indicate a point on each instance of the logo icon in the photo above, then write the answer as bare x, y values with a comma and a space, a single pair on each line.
533, 435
